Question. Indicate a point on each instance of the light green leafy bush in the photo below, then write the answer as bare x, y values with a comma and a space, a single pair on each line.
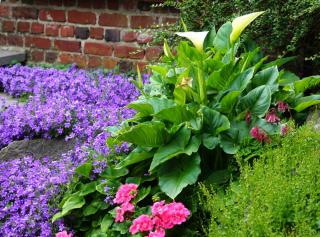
278, 196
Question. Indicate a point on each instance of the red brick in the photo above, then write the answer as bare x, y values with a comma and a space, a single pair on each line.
144, 38
99, 4
52, 30
3, 39
37, 56
94, 61
52, 15
81, 17
143, 21
142, 65
25, 12
130, 36
70, 46
98, 49
84, 3
128, 4
153, 53
169, 20
113, 19
109, 63
80, 60
38, 42
66, 58
41, 2
51, 57
15, 40
96, 33
4, 11
124, 51
23, 26
8, 26
55, 2
69, 3
67, 31
113, 5
37, 28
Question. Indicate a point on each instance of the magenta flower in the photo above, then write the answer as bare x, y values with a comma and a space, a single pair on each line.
259, 135
282, 106
126, 193
284, 129
141, 224
121, 211
271, 117
63, 234
157, 233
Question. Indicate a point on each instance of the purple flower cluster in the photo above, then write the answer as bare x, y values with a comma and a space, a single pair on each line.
72, 104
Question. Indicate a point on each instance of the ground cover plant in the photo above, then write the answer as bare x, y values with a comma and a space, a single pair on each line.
276, 196
201, 104
72, 104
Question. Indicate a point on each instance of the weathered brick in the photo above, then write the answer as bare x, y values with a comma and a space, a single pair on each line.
84, 3
38, 42
96, 33
4, 11
125, 66
129, 36
51, 57
37, 28
55, 2
112, 35
15, 40
98, 49
52, 30
153, 53
66, 58
144, 6
52, 15
25, 12
109, 63
3, 39
144, 38
82, 32
41, 2
169, 20
27, 1
69, 46
143, 21
23, 27
94, 61
81, 17
125, 51
113, 19
80, 60
99, 4
69, 3
113, 5
67, 31
140, 64
129, 5
8, 26
37, 56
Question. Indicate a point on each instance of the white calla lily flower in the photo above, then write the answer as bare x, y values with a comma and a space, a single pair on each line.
240, 23
197, 38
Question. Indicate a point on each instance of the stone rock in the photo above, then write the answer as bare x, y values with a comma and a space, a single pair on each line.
38, 148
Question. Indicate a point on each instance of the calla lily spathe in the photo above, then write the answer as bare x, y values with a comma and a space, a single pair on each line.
197, 38
240, 23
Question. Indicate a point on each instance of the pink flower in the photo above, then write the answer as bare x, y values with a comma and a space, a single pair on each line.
284, 129
179, 212
259, 135
141, 224
159, 232
121, 211
271, 117
282, 106
126, 193
248, 118
63, 234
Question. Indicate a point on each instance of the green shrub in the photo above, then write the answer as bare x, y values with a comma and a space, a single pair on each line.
278, 196
289, 26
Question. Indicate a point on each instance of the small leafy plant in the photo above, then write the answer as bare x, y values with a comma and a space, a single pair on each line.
201, 103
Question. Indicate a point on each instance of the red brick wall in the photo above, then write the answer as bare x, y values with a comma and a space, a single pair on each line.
90, 33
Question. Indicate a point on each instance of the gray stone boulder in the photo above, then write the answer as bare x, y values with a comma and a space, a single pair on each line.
38, 148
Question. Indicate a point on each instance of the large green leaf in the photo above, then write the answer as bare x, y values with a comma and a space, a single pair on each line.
113, 173
287, 78
84, 169
177, 174
214, 122
228, 101
306, 83
222, 40
240, 82
174, 148
267, 77
88, 188
279, 62
135, 156
257, 101
208, 42
93, 207
305, 102
220, 79
73, 202
229, 141
176, 114
151, 105
106, 222
148, 134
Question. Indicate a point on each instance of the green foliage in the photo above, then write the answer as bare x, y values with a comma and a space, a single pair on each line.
289, 26
276, 196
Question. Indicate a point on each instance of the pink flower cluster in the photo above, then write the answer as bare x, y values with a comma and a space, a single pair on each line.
124, 196
271, 117
259, 134
164, 216
63, 234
